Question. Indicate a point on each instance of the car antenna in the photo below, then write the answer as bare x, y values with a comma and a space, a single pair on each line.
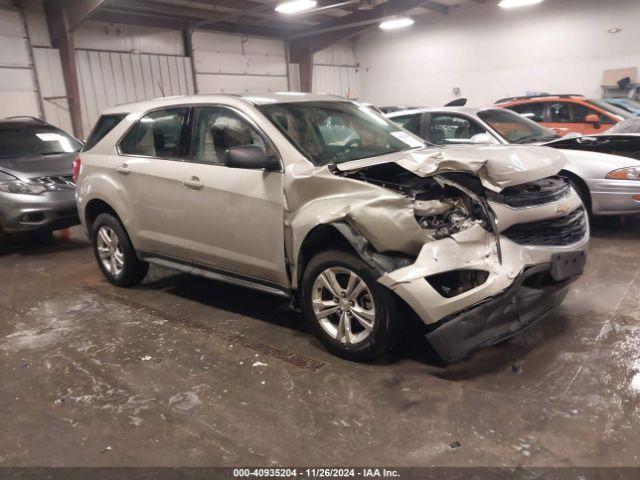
161, 90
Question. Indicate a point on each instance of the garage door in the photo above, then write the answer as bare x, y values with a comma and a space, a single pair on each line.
238, 64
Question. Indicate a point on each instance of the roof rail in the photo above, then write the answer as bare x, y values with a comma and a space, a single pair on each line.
541, 95
26, 117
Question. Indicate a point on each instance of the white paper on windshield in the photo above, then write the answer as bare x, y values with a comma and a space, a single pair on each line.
408, 139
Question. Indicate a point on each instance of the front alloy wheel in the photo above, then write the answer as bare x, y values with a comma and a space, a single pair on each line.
353, 315
343, 305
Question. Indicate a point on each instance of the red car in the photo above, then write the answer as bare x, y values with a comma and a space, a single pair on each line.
567, 113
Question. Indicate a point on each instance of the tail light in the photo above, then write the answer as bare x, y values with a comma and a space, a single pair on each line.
76, 168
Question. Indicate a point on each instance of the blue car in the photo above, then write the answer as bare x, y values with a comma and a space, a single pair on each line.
625, 103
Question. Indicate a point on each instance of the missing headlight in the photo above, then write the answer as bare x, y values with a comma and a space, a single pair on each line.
446, 210
455, 282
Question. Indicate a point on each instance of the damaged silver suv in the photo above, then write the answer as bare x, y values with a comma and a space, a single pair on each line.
323, 201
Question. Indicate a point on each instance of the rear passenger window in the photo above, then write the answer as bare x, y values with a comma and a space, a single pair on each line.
157, 134
533, 111
452, 129
104, 125
409, 122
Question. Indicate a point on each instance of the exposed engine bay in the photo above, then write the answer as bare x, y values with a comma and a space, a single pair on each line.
444, 204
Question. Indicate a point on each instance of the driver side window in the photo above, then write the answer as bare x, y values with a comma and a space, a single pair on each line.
452, 129
216, 129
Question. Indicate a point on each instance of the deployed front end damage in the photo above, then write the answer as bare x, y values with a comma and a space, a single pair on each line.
446, 230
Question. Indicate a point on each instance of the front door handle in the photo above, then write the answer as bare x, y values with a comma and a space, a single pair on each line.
193, 184
123, 169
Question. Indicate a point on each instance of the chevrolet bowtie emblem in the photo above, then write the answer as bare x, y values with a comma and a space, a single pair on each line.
564, 207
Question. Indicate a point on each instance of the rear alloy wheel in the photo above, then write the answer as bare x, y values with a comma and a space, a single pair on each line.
353, 315
114, 253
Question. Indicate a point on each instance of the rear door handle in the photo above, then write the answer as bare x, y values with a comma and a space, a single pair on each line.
193, 184
123, 169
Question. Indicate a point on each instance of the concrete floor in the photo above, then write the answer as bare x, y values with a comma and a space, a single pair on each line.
186, 371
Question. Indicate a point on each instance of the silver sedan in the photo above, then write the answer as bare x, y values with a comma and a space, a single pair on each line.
609, 184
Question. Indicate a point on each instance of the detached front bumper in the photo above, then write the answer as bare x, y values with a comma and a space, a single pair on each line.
522, 305
53, 210
615, 197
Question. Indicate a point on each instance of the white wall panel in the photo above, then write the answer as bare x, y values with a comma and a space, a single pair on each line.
52, 87
238, 64
126, 38
18, 93
240, 84
489, 53
112, 78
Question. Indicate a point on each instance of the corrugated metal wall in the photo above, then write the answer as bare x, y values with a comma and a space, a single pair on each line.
112, 78
335, 71
238, 64
18, 88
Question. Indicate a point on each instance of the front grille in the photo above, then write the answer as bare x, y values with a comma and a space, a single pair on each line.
56, 182
539, 192
558, 231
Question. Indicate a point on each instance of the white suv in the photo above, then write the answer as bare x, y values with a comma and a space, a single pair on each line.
324, 201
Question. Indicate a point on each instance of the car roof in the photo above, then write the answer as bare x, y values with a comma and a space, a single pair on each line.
17, 122
255, 99
466, 110
540, 98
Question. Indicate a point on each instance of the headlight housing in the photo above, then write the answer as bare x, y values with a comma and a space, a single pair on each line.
628, 173
22, 188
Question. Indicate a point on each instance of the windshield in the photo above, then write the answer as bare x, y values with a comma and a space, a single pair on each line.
29, 141
515, 128
626, 104
620, 112
337, 132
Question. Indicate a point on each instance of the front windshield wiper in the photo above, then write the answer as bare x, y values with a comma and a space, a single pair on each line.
528, 139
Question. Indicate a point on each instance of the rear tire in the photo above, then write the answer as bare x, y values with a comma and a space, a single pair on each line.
354, 316
114, 252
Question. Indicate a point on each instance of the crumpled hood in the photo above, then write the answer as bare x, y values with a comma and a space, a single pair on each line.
497, 166
33, 167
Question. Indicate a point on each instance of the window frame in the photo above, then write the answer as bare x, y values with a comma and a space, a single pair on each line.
184, 131
428, 117
545, 110
190, 153
187, 133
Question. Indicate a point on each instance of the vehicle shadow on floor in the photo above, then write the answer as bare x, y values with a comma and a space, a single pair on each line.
276, 311
39, 243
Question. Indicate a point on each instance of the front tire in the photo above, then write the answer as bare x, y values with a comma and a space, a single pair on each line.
114, 253
349, 311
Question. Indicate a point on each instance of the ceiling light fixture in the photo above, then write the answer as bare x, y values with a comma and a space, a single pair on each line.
295, 6
614, 30
517, 3
397, 22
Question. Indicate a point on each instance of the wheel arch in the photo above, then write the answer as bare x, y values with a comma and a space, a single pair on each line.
346, 237
584, 192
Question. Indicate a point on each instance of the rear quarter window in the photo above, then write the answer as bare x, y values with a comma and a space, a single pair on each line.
104, 125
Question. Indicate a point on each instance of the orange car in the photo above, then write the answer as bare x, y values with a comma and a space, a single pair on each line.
567, 113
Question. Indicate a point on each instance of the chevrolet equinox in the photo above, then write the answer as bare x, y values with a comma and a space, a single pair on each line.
323, 201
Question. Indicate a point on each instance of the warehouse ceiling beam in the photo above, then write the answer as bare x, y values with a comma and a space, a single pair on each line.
63, 17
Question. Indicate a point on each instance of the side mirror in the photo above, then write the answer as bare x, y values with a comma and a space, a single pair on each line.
250, 157
594, 119
483, 139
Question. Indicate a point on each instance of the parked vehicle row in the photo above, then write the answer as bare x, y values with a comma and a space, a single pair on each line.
472, 220
604, 170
